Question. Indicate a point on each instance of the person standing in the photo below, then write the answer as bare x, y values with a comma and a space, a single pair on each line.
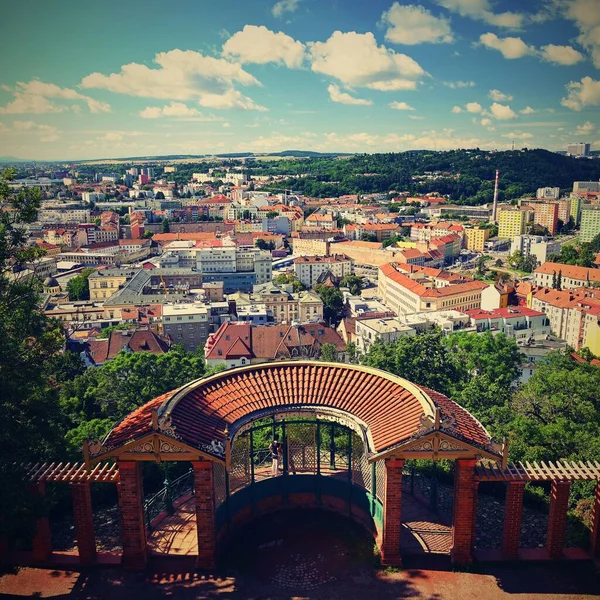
276, 454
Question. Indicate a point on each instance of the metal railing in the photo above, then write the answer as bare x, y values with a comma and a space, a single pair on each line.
164, 498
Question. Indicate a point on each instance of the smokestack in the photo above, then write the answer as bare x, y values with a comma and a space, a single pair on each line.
495, 206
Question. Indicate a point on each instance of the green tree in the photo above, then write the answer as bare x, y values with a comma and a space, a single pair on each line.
78, 286
328, 353
31, 427
272, 214
481, 266
333, 302
353, 283
288, 279
352, 353
165, 228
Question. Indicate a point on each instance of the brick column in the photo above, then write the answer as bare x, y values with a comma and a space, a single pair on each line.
131, 511
42, 540
595, 541
513, 514
204, 494
392, 513
557, 519
84, 522
464, 512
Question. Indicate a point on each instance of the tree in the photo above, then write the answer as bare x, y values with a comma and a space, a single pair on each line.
328, 353
353, 283
288, 279
78, 287
481, 266
165, 228
333, 302
272, 214
498, 262
559, 280
368, 237
31, 426
352, 353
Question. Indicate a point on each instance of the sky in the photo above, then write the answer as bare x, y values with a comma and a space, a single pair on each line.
82, 80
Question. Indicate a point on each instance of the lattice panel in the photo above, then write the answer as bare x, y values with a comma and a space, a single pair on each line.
220, 484
361, 469
302, 448
239, 473
380, 479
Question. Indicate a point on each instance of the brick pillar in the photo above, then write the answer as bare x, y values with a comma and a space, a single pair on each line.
42, 540
464, 512
595, 541
557, 520
513, 513
204, 494
131, 511
84, 522
392, 513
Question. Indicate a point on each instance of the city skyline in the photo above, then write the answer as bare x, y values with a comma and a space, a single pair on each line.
265, 76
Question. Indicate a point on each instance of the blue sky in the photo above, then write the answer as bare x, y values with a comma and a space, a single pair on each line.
88, 80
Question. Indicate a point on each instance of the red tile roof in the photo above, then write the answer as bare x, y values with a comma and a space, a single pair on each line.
202, 411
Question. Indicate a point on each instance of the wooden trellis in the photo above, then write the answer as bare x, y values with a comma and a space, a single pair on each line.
540, 471
72, 472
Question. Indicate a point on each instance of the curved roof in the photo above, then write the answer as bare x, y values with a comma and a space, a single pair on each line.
51, 282
394, 410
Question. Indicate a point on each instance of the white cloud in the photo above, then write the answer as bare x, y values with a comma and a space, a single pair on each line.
585, 129
42, 133
400, 106
528, 111
34, 97
518, 135
261, 45
416, 117
561, 55
510, 47
177, 110
586, 16
486, 122
285, 6
473, 107
459, 84
498, 96
415, 25
581, 94
481, 10
456, 109
181, 75
502, 112
356, 60
336, 95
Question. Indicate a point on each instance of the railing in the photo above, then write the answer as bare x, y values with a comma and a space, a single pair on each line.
163, 499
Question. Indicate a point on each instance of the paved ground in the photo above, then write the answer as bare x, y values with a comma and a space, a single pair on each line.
308, 555
422, 531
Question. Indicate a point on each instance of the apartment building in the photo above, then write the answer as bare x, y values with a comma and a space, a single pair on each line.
187, 323
308, 269
409, 289
105, 282
511, 222
537, 245
590, 223
476, 238
386, 330
572, 277
518, 322
546, 215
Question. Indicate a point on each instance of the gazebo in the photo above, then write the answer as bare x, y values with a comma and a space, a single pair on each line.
347, 431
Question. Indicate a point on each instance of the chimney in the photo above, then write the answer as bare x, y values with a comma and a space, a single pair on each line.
495, 205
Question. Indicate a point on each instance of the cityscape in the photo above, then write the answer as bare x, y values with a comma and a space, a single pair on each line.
301, 300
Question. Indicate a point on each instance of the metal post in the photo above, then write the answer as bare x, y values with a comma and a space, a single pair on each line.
332, 449
252, 456
349, 471
168, 491
373, 487
285, 446
433, 489
318, 448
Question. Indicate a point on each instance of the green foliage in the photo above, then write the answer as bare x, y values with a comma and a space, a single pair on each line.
78, 287
288, 279
105, 333
165, 228
328, 353
352, 282
333, 302
519, 261
582, 255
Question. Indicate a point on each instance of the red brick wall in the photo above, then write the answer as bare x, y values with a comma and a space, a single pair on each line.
84, 522
392, 513
465, 501
513, 513
205, 513
595, 541
557, 520
42, 540
131, 511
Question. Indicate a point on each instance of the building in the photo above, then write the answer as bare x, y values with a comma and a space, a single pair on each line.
66, 215
308, 269
579, 149
187, 323
518, 322
97, 352
537, 245
572, 277
420, 289
511, 222
590, 223
548, 193
586, 186
475, 239
283, 306
105, 282
546, 215
385, 330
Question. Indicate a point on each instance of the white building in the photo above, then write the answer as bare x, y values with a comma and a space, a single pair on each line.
68, 215
548, 193
538, 245
579, 149
308, 269
387, 330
